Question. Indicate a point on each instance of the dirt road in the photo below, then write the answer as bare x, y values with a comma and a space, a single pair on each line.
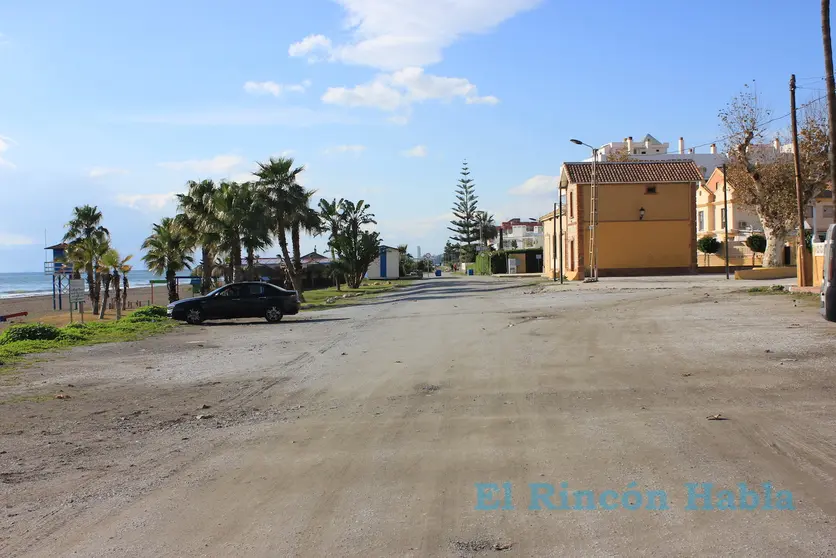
364, 431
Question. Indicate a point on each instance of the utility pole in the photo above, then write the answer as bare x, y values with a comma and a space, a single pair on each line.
593, 226
726, 219
830, 84
802, 245
554, 240
560, 239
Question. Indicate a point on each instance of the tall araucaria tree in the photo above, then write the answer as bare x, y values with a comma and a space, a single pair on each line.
465, 226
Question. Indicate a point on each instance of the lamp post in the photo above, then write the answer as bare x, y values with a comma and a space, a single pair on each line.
593, 216
560, 216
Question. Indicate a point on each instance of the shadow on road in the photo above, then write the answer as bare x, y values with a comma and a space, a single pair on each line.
261, 321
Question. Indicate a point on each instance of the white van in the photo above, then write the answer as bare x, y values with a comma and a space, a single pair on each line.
828, 284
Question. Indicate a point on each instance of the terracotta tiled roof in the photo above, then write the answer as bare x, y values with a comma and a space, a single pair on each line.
633, 172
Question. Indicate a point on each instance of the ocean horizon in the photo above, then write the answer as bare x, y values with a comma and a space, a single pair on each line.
37, 283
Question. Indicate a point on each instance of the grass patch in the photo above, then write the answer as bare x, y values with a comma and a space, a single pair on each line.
773, 289
321, 298
14, 345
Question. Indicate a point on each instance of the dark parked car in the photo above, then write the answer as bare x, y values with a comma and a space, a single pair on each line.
237, 300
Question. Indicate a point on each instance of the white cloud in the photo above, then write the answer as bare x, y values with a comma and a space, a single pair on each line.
11, 239
4, 40
538, 185
356, 149
399, 90
273, 88
487, 100
98, 172
310, 46
147, 202
5, 143
220, 164
417, 151
399, 33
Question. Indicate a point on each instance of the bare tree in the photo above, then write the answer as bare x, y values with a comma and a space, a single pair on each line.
831, 87
762, 177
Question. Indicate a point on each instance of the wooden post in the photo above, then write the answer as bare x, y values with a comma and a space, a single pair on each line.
802, 248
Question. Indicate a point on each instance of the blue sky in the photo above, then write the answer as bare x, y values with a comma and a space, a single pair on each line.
118, 104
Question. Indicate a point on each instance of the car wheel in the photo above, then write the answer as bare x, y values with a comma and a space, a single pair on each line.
194, 316
274, 314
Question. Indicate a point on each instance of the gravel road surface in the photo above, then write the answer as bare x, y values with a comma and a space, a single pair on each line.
365, 430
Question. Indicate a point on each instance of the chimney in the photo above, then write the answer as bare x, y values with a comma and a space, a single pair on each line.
776, 143
647, 144
714, 149
681, 146
630, 145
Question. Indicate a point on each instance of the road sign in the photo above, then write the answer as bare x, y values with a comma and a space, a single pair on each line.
76, 290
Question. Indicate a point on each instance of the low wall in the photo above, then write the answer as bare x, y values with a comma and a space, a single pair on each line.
766, 273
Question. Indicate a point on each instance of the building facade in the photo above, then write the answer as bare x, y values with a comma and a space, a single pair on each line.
646, 219
518, 234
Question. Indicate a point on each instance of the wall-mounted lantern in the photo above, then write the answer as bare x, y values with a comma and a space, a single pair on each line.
641, 214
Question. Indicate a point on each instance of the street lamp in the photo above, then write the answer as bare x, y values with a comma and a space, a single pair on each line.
593, 218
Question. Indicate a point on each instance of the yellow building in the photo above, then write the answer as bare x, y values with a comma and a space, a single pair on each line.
646, 219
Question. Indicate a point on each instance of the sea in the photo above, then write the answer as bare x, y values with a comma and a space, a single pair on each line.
15, 285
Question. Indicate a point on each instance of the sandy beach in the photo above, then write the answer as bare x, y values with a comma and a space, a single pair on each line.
40, 307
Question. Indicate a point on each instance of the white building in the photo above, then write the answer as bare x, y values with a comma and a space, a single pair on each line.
387, 265
517, 234
652, 149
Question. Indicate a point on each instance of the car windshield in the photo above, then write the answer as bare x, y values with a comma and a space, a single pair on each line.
216, 291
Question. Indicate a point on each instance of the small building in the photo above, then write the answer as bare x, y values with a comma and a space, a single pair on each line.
314, 258
518, 234
646, 218
387, 265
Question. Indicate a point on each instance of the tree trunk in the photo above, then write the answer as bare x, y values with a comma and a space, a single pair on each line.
98, 294
334, 270
250, 264
170, 277
776, 238
104, 278
207, 258
124, 291
297, 257
91, 289
831, 87
235, 256
117, 297
288, 263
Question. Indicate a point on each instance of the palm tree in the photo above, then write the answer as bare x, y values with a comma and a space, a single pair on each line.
255, 224
278, 177
329, 214
85, 228
167, 251
356, 247
302, 219
200, 221
230, 208
486, 226
107, 264
125, 268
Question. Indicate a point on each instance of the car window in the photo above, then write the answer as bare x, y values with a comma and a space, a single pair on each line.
254, 290
234, 291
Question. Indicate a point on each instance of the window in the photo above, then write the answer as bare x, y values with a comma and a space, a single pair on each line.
233, 291
650, 190
571, 255
722, 218
742, 225
254, 290
808, 211
571, 205
827, 211
701, 220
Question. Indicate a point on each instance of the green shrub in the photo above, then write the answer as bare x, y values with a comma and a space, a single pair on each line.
147, 314
30, 332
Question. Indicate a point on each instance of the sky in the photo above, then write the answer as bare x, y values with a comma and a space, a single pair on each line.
118, 104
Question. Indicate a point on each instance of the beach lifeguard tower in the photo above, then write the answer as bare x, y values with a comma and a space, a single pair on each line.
61, 272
